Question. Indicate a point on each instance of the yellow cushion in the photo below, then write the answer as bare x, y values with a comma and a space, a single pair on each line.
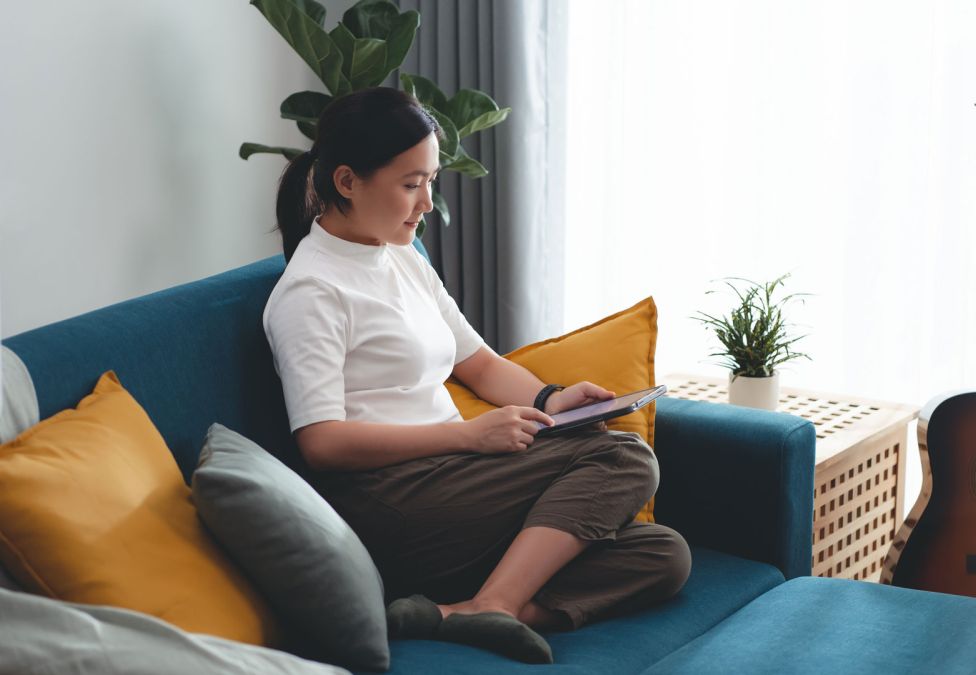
93, 509
616, 353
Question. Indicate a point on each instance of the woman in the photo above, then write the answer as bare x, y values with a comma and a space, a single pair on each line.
506, 534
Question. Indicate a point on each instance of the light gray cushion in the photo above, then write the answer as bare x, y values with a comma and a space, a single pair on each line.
41, 635
18, 406
297, 550
18, 412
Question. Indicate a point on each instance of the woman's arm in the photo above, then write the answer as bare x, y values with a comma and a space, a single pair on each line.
503, 382
357, 446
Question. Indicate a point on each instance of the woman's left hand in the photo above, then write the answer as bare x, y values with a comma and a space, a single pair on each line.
581, 393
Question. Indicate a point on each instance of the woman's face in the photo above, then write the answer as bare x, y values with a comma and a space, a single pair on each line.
387, 206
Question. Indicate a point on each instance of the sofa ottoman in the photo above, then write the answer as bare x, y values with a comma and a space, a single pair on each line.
816, 625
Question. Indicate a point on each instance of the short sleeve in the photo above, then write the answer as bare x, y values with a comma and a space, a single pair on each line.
467, 339
307, 328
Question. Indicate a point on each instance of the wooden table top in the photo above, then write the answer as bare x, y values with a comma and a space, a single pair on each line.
842, 421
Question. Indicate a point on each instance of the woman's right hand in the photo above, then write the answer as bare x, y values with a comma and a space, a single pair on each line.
505, 430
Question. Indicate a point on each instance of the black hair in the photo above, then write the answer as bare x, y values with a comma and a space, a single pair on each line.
364, 130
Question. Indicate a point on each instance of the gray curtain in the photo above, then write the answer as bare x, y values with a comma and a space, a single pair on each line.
501, 256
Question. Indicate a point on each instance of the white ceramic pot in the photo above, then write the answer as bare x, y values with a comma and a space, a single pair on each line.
755, 392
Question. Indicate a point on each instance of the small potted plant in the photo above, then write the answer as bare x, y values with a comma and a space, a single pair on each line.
755, 340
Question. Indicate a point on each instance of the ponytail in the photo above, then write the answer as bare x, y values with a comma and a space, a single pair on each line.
297, 202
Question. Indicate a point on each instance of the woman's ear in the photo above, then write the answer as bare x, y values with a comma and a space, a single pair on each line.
343, 178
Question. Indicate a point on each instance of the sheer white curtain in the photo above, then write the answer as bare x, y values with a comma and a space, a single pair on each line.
830, 139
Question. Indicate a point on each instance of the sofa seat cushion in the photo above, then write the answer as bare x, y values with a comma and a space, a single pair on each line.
719, 585
814, 625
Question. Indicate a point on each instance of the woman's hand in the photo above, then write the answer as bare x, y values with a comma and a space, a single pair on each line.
505, 430
580, 394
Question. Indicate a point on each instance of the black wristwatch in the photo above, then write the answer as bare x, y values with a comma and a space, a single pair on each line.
544, 394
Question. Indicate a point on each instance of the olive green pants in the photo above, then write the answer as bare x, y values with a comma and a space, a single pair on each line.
439, 525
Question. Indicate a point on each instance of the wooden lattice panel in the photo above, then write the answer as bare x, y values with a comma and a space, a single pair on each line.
859, 477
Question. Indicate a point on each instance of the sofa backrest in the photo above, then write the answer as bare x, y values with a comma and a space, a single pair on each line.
191, 355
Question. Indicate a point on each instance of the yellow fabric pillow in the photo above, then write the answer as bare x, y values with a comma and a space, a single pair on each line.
616, 353
93, 509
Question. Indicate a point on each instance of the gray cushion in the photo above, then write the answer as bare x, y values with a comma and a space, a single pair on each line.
18, 400
298, 551
18, 411
49, 636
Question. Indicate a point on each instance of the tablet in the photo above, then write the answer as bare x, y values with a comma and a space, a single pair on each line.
601, 410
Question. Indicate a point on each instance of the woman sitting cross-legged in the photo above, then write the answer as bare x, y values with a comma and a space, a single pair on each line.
482, 533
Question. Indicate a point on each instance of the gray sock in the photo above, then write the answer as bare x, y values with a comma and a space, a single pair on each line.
413, 618
496, 632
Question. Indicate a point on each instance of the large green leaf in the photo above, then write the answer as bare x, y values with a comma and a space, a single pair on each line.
451, 141
441, 206
371, 18
368, 67
306, 36
305, 106
345, 42
467, 104
489, 119
315, 11
400, 39
426, 91
466, 164
310, 131
363, 59
248, 149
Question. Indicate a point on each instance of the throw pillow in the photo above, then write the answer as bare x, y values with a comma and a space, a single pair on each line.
93, 509
47, 636
18, 401
616, 352
310, 564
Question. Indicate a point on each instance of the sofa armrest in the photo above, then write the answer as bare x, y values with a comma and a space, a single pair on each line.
737, 480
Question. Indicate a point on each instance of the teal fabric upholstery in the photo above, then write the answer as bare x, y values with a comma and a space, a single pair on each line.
190, 355
738, 480
813, 625
719, 585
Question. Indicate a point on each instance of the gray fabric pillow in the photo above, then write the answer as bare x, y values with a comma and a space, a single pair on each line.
18, 412
18, 405
297, 550
41, 635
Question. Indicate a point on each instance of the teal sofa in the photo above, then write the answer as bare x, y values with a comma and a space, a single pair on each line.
737, 483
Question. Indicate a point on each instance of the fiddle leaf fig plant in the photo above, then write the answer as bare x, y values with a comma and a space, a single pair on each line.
754, 335
368, 44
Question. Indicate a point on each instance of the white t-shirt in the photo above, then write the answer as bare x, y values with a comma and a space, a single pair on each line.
366, 333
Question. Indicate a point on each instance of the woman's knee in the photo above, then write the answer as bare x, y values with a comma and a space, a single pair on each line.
674, 557
636, 462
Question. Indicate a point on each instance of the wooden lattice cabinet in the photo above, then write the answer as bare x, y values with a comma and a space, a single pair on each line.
859, 480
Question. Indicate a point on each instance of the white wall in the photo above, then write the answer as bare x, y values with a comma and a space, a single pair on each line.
120, 123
